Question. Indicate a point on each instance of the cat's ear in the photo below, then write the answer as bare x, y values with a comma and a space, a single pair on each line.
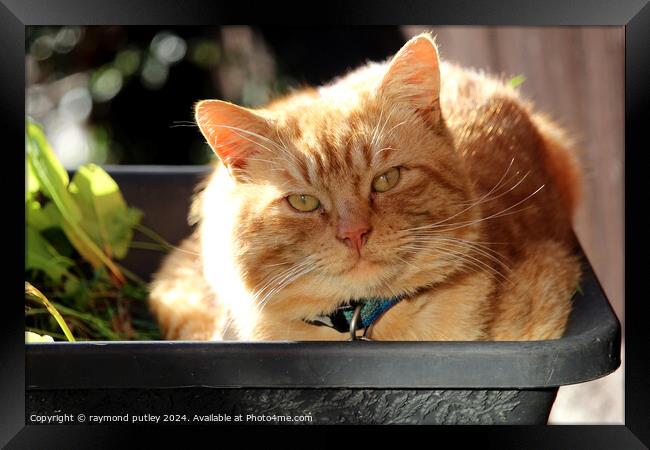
413, 76
234, 133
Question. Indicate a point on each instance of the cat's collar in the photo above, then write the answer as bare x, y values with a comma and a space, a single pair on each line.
370, 310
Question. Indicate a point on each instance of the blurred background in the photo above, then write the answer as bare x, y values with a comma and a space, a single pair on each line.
124, 95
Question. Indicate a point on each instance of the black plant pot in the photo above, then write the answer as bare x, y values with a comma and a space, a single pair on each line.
325, 382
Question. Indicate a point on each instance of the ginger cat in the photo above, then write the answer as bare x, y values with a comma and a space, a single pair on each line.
413, 180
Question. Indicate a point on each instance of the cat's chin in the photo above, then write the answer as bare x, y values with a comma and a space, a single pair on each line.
363, 271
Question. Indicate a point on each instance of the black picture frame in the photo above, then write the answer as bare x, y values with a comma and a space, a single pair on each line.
634, 15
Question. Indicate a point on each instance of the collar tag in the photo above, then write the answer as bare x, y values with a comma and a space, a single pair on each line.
371, 310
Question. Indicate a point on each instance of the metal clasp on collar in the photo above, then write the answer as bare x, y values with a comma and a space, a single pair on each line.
354, 323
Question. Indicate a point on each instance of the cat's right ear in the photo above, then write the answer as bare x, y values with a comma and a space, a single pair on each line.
234, 133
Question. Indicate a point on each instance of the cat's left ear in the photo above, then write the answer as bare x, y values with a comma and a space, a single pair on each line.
413, 77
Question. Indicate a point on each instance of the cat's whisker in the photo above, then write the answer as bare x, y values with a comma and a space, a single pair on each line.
521, 180
182, 250
493, 216
226, 326
268, 283
277, 264
250, 158
495, 258
494, 188
249, 140
374, 133
283, 279
379, 135
280, 276
406, 262
250, 133
380, 151
459, 225
385, 283
435, 236
279, 279
278, 148
498, 183
356, 133
471, 222
450, 256
477, 263
277, 133
492, 271
478, 202
392, 130
492, 254
183, 123
178, 125
287, 281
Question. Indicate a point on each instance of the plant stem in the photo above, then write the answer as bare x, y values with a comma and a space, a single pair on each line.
90, 319
130, 275
153, 236
35, 293
148, 246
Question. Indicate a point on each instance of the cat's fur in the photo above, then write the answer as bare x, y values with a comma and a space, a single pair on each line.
477, 231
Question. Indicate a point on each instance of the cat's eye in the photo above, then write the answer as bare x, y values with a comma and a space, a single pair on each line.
302, 202
386, 180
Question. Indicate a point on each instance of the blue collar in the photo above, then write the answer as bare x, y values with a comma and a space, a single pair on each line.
371, 310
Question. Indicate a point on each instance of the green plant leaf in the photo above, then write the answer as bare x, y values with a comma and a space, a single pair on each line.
517, 80
53, 180
41, 255
31, 182
71, 286
41, 217
36, 214
49, 173
106, 217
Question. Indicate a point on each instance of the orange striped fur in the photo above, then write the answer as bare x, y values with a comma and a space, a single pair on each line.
477, 231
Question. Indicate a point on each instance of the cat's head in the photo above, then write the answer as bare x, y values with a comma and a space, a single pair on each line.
352, 190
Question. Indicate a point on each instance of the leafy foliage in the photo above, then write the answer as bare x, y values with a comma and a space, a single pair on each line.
105, 216
75, 232
516, 81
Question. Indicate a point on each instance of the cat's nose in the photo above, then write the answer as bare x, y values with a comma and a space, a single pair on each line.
354, 235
